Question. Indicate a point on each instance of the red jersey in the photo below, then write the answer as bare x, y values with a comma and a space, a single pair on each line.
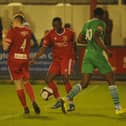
61, 44
19, 40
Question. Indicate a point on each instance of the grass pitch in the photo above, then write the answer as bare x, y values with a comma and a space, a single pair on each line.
94, 107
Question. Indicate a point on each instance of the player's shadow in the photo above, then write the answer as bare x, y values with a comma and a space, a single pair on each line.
30, 116
99, 115
39, 117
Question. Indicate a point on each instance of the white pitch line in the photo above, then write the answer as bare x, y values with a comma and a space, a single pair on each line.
5, 117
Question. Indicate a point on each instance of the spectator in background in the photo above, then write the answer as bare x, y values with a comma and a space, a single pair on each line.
124, 41
26, 23
109, 28
124, 1
68, 25
1, 29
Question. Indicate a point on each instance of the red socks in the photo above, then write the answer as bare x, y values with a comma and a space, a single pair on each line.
68, 87
29, 90
53, 86
21, 96
30, 93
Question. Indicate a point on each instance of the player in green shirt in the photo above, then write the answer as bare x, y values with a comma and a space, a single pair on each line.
93, 34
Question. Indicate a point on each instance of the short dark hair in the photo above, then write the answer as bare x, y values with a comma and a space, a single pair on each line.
20, 18
56, 19
98, 11
67, 25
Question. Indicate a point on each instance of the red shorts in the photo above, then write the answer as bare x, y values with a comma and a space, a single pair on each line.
19, 70
61, 67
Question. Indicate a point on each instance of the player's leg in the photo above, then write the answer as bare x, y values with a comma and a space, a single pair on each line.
29, 90
49, 80
53, 71
21, 95
67, 83
68, 87
75, 90
114, 92
28, 87
66, 67
87, 70
106, 69
16, 76
78, 87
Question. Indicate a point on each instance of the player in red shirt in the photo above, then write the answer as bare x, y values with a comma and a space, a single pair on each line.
61, 41
17, 42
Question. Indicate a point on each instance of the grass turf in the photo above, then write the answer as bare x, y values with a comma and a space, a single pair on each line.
94, 107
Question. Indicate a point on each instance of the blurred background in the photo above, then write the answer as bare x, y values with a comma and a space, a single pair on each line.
39, 15
93, 106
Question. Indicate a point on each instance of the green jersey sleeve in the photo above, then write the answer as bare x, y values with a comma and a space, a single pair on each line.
83, 31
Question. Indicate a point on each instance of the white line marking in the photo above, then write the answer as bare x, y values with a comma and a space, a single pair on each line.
9, 116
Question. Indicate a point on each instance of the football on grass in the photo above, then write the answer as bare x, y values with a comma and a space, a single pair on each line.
46, 93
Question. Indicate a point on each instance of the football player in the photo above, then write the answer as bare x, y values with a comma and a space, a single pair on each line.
61, 40
17, 42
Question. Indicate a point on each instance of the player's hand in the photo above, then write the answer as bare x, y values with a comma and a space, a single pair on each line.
109, 53
32, 62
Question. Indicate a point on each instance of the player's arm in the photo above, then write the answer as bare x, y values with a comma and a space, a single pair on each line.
81, 39
75, 46
5, 45
74, 42
110, 26
34, 40
7, 41
82, 36
99, 41
40, 52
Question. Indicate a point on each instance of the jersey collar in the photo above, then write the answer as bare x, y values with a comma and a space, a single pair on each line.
60, 34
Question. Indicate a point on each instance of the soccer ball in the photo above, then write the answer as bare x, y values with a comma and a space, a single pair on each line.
46, 93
